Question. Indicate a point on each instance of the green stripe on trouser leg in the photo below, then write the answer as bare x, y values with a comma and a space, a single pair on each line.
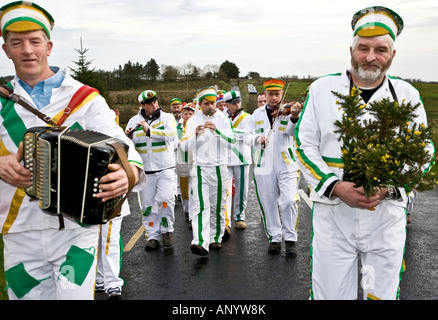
77, 265
218, 204
201, 206
19, 281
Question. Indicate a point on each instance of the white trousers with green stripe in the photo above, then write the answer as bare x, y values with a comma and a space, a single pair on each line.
241, 176
274, 190
340, 233
209, 185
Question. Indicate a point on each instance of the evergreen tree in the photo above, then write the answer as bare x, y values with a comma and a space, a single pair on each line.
152, 70
229, 69
84, 74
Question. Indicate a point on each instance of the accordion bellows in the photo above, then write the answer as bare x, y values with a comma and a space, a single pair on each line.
67, 166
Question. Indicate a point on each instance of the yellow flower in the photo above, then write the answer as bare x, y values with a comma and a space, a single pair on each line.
386, 156
416, 132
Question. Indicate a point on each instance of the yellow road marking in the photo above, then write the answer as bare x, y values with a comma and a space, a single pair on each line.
134, 239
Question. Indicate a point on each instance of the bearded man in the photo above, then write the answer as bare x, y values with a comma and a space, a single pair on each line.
343, 225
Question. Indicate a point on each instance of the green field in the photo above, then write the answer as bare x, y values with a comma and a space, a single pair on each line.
126, 102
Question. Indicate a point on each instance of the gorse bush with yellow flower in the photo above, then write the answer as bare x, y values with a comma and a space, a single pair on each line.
382, 145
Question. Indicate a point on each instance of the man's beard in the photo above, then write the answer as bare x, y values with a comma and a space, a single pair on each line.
369, 76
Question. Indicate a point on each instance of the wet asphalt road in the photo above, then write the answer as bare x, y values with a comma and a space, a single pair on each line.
243, 270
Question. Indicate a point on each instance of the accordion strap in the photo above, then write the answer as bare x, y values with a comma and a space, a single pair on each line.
7, 93
131, 178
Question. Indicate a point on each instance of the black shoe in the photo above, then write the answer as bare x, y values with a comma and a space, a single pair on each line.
274, 247
167, 239
199, 250
216, 246
291, 249
152, 245
227, 233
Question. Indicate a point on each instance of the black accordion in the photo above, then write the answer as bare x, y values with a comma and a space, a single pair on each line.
66, 166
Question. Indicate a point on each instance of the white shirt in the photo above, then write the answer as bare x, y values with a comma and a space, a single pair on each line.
158, 149
211, 147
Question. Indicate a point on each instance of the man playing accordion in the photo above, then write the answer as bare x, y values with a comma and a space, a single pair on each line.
41, 261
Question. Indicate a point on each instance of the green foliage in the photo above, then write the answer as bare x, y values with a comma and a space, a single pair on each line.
229, 70
152, 70
382, 145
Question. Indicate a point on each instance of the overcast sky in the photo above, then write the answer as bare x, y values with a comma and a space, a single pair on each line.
273, 38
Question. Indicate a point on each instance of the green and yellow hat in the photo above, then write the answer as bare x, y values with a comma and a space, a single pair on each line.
147, 96
274, 84
208, 93
376, 21
175, 101
23, 16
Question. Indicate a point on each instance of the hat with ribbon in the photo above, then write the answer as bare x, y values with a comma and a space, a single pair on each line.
273, 84
24, 16
376, 21
189, 106
208, 93
175, 101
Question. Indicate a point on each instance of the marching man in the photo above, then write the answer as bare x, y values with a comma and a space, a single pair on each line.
276, 173
154, 136
343, 225
208, 136
42, 262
